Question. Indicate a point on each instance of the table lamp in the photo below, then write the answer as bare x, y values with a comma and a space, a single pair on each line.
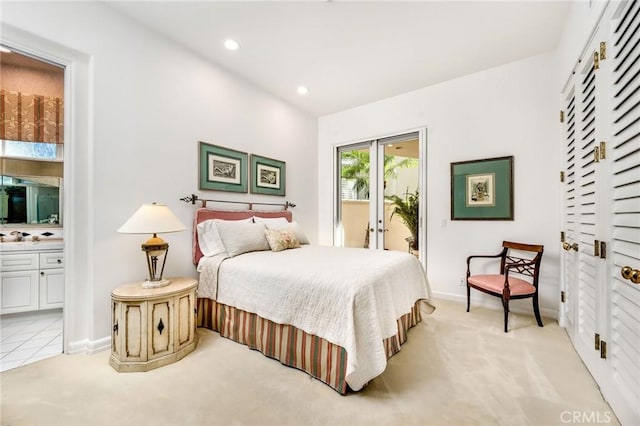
153, 219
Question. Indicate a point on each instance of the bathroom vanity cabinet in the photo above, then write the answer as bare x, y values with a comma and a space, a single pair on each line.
31, 279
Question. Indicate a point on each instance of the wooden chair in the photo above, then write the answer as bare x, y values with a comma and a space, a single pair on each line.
504, 284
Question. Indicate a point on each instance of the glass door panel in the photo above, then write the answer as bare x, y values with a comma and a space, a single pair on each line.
354, 190
398, 208
378, 192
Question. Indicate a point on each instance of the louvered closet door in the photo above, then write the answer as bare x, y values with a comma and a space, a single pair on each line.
587, 300
623, 356
570, 220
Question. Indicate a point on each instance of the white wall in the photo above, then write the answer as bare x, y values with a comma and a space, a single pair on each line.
509, 110
142, 104
578, 29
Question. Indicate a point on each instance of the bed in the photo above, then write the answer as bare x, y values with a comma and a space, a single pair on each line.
336, 313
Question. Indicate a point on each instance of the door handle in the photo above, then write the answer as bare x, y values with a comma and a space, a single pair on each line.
569, 247
630, 274
382, 230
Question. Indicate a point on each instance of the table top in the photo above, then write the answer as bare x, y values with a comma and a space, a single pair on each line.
135, 291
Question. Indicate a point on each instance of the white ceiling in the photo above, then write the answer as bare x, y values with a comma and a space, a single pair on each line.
352, 53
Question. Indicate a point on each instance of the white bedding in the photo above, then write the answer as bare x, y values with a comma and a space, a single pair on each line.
351, 297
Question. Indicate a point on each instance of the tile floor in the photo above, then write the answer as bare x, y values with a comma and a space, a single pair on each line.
29, 337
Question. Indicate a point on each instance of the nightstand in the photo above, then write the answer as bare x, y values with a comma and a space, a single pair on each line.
152, 327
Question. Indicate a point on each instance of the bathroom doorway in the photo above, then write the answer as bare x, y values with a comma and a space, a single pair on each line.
31, 208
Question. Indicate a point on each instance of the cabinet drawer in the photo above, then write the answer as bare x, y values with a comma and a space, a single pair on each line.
51, 260
19, 262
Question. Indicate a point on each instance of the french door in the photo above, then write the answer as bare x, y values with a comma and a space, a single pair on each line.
379, 192
601, 209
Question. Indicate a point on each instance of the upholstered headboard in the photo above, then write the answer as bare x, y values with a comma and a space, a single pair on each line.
203, 214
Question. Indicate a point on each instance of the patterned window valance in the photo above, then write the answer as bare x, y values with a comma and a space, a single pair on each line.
31, 118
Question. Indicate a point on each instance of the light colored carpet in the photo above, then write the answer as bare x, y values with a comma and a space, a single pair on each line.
455, 369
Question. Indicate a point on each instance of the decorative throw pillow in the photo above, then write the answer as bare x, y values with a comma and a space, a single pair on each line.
281, 240
242, 237
272, 222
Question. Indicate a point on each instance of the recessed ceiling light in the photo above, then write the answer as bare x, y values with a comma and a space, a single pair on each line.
4, 49
302, 90
231, 44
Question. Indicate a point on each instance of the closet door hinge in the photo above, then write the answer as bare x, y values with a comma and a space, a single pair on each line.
603, 50
603, 349
596, 61
561, 116
561, 176
603, 250
600, 152
596, 248
563, 297
597, 342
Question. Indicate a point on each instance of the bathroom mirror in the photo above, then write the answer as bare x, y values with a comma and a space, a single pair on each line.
30, 193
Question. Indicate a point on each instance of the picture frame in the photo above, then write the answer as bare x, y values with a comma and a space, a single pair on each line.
482, 189
268, 176
222, 169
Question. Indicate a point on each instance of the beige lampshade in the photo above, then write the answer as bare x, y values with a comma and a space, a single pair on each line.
152, 218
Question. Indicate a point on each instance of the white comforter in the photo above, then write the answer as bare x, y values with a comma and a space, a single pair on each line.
349, 296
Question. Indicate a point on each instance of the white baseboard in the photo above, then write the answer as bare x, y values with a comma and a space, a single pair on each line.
77, 347
494, 303
89, 346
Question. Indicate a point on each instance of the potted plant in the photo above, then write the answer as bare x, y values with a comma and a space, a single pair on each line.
355, 167
408, 210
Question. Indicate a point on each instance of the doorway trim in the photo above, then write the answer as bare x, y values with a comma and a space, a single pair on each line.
77, 311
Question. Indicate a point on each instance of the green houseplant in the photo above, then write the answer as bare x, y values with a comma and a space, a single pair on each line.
408, 208
355, 166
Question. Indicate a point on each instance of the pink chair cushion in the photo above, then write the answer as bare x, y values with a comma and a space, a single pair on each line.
495, 283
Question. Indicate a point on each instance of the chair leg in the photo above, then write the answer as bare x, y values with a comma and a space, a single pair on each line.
536, 310
468, 297
505, 305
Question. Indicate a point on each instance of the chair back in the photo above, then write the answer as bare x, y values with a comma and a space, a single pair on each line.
529, 267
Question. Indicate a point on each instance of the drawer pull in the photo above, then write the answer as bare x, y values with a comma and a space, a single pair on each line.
59, 260
42, 273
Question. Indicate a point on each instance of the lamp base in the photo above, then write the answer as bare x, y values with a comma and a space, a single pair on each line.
156, 284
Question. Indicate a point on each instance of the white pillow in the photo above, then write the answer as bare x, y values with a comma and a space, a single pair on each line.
241, 237
297, 231
209, 237
272, 222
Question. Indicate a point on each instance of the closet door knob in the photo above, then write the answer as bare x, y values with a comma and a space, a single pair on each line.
628, 273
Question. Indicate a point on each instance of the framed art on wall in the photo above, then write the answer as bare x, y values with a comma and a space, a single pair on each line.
482, 189
222, 169
268, 176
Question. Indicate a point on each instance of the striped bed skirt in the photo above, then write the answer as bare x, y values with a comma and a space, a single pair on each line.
291, 346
